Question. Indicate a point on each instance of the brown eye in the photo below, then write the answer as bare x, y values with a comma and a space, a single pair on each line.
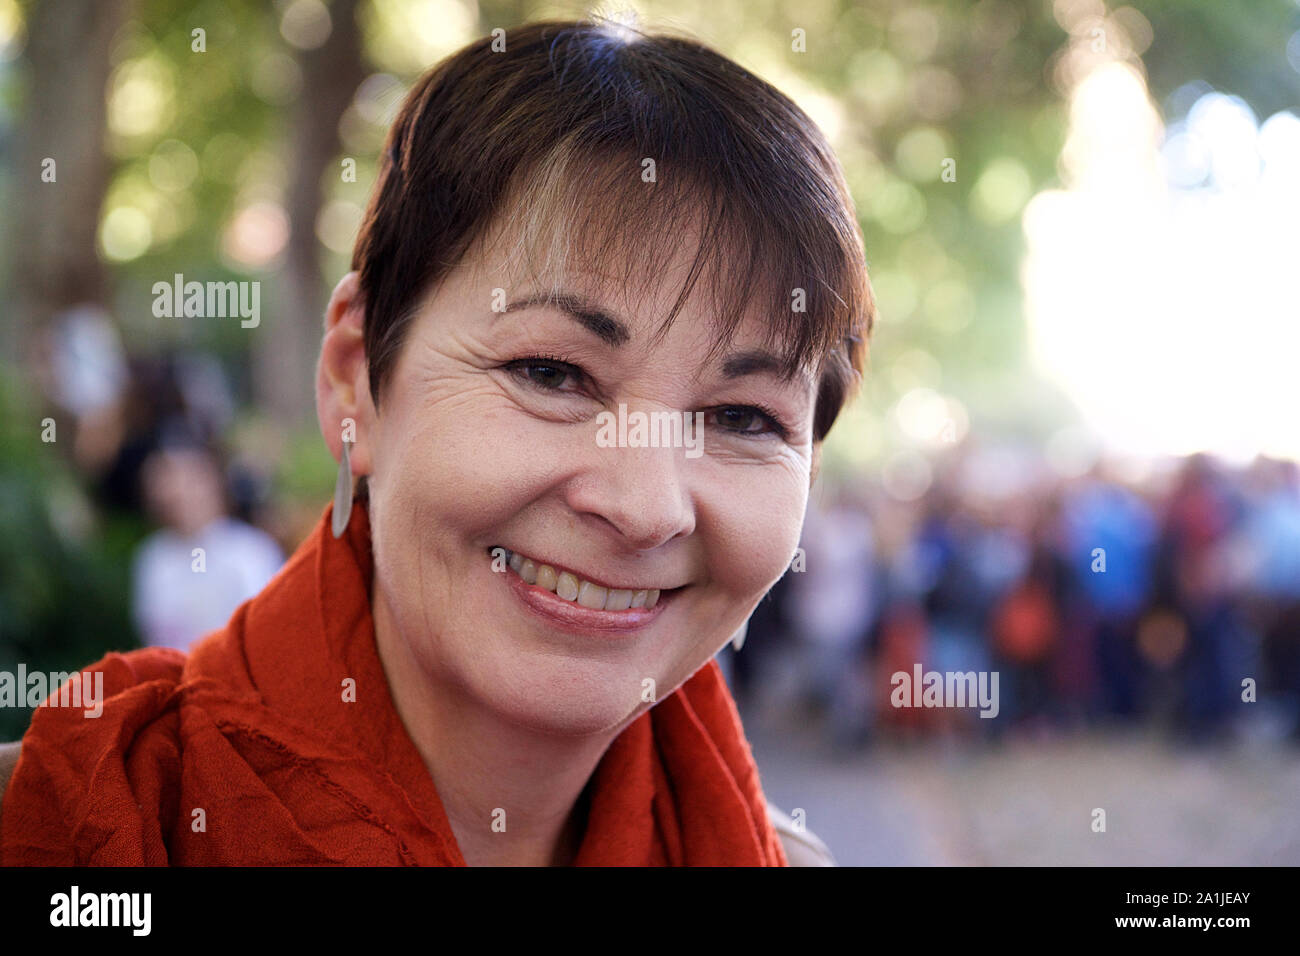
747, 420
739, 419
547, 374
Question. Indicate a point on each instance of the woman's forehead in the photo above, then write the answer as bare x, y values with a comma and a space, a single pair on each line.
584, 223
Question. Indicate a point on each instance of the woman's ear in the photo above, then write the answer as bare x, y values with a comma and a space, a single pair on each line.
343, 405
816, 464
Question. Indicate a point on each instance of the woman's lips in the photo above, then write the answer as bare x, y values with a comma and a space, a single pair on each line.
575, 586
573, 616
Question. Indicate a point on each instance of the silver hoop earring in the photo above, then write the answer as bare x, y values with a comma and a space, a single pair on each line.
343, 493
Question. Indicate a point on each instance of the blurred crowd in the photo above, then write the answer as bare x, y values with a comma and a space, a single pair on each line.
1169, 598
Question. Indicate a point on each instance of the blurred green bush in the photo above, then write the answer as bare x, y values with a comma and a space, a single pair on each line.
65, 566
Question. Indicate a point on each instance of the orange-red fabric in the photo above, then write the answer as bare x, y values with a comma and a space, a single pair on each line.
252, 730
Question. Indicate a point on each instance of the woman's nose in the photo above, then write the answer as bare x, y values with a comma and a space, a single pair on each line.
641, 492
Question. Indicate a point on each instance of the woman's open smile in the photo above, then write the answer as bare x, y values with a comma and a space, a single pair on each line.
570, 599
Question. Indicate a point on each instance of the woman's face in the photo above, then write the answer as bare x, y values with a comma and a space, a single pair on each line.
487, 437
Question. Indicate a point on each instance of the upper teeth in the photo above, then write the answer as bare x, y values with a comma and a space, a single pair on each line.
572, 588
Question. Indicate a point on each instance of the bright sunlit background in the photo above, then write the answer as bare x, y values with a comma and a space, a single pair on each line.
1160, 281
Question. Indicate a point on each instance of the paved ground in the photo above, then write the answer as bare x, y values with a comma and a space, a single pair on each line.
1030, 802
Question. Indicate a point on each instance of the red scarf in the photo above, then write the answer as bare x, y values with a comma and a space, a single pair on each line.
245, 753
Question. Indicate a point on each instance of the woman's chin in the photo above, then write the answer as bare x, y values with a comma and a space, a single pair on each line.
566, 721
566, 703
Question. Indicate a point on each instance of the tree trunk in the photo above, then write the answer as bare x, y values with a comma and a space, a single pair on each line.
285, 357
53, 232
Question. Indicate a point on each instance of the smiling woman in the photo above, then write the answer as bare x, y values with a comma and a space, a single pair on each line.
504, 652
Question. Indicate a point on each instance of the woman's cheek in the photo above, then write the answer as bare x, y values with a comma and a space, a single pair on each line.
466, 465
759, 521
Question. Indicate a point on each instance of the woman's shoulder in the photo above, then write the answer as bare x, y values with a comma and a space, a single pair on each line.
106, 739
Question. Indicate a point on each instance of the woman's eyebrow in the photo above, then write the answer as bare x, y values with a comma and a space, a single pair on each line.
759, 362
590, 316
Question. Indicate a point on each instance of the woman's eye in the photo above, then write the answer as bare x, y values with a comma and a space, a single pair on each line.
543, 373
553, 375
745, 420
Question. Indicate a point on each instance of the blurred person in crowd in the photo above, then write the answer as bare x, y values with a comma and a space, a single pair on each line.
913, 598
1027, 623
971, 555
82, 369
1110, 532
1199, 629
1281, 669
150, 400
832, 609
768, 638
902, 640
1267, 551
1072, 678
191, 574
158, 391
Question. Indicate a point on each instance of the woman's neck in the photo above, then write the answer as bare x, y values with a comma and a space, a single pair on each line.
513, 796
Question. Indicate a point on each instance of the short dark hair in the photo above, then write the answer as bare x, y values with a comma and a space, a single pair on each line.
556, 130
